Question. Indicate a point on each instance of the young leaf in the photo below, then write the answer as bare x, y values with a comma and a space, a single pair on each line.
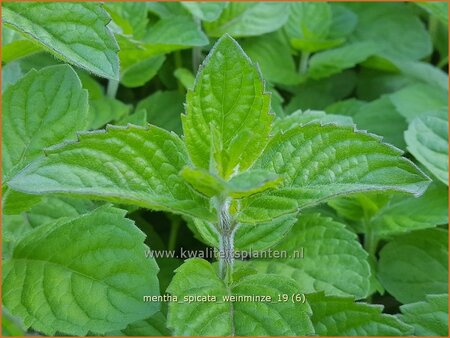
202, 181
140, 73
338, 316
105, 110
252, 182
11, 73
427, 140
248, 19
429, 318
132, 165
415, 264
84, 40
81, 274
227, 110
41, 109
321, 162
334, 260
196, 277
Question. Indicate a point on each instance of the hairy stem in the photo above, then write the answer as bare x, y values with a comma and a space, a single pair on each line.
226, 229
111, 90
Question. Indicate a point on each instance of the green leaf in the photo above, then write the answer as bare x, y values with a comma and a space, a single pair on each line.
41, 109
196, 277
349, 107
104, 110
202, 181
429, 318
11, 73
164, 109
419, 99
227, 114
51, 209
206, 11
333, 61
424, 72
309, 25
393, 28
141, 72
273, 55
343, 21
437, 9
380, 117
132, 165
81, 274
414, 265
321, 162
338, 316
300, 118
252, 182
334, 261
19, 49
248, 19
152, 326
138, 118
404, 214
186, 77
83, 41
132, 17
427, 140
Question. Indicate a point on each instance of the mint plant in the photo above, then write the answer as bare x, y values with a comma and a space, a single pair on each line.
234, 168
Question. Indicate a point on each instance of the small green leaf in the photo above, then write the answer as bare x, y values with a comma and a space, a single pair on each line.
437, 9
206, 11
273, 55
81, 274
84, 41
321, 162
196, 277
429, 318
202, 181
338, 316
252, 182
164, 109
415, 264
248, 19
186, 77
141, 72
138, 118
235, 111
380, 117
105, 110
326, 63
427, 140
11, 73
333, 262
132, 165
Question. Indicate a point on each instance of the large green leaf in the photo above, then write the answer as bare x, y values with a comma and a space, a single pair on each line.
197, 277
248, 19
41, 109
321, 162
333, 262
152, 326
73, 32
430, 317
81, 274
133, 165
415, 264
427, 140
227, 115
337, 316
419, 99
394, 28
